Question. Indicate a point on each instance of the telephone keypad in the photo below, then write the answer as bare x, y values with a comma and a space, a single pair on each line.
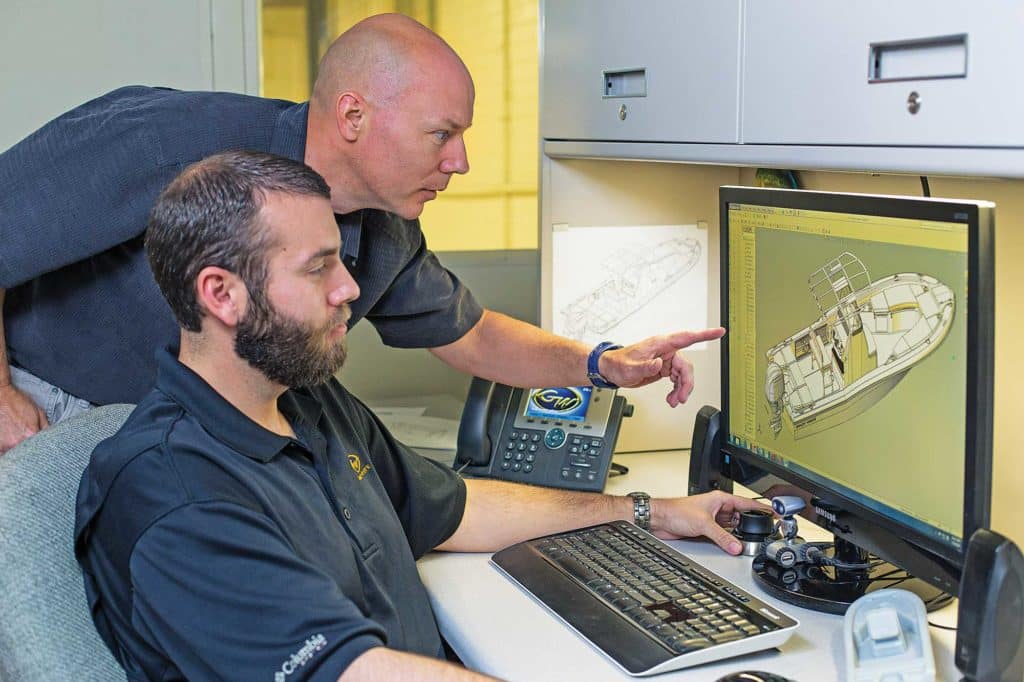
579, 460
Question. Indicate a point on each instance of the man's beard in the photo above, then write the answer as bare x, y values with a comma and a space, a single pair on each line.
286, 351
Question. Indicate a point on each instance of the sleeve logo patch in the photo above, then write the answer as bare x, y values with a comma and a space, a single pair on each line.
300, 657
358, 466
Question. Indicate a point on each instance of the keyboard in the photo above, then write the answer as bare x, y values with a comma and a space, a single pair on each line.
642, 604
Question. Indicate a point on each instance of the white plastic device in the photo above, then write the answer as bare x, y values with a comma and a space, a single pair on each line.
886, 638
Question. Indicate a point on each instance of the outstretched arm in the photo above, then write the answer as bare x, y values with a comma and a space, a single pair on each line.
19, 416
501, 348
499, 514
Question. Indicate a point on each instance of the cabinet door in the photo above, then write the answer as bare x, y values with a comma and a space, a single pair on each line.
835, 73
655, 71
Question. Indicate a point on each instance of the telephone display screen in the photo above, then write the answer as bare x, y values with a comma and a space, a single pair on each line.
568, 403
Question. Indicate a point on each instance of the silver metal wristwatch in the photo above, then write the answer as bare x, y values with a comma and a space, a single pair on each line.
641, 510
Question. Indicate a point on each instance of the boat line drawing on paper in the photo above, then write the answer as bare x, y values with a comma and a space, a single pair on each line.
870, 334
635, 276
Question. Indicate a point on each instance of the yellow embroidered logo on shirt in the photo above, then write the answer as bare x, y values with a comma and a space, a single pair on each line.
358, 466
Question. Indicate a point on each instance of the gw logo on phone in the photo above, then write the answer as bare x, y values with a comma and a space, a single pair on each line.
557, 399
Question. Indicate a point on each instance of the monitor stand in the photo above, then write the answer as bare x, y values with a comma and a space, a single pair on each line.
832, 590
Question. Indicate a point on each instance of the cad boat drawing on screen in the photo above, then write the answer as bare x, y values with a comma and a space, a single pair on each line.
869, 336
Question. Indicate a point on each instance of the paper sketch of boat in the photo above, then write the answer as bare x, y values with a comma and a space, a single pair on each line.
635, 275
869, 335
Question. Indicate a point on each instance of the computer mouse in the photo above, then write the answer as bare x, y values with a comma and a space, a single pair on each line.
753, 676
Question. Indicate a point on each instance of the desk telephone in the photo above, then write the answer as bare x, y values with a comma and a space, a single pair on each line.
555, 437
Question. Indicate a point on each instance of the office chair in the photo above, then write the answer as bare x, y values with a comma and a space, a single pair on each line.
46, 631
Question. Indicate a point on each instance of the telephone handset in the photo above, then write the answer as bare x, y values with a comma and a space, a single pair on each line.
555, 437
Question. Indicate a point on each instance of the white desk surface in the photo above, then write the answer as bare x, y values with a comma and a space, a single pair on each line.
498, 629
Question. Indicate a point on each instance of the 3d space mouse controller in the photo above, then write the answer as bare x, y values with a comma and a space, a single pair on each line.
754, 530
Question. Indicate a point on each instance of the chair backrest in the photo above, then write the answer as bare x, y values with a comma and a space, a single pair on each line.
46, 631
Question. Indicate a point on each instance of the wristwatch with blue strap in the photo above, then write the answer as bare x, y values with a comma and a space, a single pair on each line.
593, 373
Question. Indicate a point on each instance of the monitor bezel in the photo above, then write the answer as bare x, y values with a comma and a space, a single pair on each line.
862, 525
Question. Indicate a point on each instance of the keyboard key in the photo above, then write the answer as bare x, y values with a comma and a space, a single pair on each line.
722, 637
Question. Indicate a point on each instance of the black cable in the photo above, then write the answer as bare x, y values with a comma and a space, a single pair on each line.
925, 189
845, 565
942, 627
894, 571
616, 469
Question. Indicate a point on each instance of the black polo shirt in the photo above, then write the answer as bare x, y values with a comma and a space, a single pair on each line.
214, 549
82, 310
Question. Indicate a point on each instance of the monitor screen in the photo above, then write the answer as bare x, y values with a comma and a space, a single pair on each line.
857, 366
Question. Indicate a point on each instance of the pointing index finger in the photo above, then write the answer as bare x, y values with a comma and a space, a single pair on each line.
688, 338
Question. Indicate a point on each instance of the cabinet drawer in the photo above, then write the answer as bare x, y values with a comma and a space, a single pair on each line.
656, 71
835, 73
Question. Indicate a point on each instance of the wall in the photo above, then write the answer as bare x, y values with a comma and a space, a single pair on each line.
57, 54
495, 205
285, 72
1008, 195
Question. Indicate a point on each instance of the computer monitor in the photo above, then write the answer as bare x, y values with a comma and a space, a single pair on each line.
857, 374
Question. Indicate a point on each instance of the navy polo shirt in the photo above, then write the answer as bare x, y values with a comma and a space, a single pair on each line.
82, 310
214, 549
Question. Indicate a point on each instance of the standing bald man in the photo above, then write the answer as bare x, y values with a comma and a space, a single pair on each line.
82, 315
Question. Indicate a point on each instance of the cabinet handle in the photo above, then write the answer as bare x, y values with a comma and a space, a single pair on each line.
624, 83
918, 59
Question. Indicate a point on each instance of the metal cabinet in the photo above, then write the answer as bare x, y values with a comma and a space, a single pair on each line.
661, 70
877, 72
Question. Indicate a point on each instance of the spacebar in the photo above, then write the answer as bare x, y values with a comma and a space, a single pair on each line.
606, 628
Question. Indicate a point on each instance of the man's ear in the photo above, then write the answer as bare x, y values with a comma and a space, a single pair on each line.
351, 115
222, 294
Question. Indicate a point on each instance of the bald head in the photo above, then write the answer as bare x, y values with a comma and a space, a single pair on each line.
386, 120
379, 58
